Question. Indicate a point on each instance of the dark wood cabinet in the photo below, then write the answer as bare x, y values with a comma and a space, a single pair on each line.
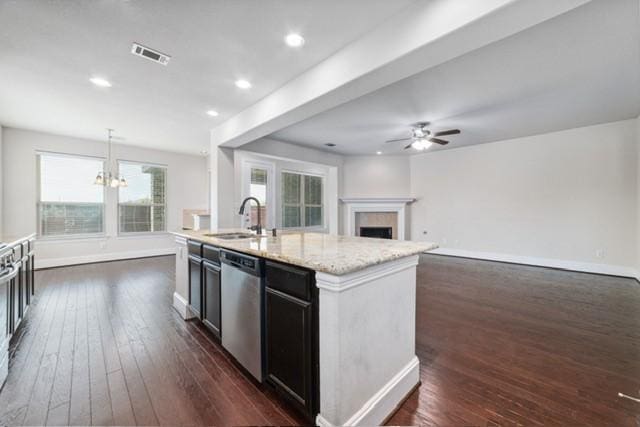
204, 284
195, 285
288, 338
291, 341
211, 300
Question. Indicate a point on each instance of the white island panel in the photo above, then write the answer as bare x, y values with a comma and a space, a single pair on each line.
368, 363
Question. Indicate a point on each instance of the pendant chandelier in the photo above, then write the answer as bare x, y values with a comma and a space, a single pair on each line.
106, 178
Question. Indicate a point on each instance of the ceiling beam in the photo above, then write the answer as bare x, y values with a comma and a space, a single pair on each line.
426, 34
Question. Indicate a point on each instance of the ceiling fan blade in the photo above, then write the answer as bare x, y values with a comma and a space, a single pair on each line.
397, 140
438, 141
408, 146
447, 132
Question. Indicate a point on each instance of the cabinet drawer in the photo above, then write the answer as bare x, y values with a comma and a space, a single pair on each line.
195, 248
211, 254
290, 280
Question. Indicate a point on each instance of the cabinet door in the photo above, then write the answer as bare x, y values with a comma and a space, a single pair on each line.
211, 288
288, 347
195, 285
15, 309
32, 268
24, 287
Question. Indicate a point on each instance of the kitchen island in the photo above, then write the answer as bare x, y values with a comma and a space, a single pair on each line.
339, 315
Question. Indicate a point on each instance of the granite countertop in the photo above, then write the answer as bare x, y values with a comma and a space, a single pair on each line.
327, 253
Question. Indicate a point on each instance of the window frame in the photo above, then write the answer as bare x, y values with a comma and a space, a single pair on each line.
39, 235
165, 204
303, 227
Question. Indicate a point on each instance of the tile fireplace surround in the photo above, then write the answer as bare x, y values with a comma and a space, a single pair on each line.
375, 212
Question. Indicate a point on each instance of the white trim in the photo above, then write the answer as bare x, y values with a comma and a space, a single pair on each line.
404, 200
584, 267
181, 305
383, 403
334, 283
87, 259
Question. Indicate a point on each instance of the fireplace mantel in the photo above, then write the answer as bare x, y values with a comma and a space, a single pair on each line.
351, 200
376, 204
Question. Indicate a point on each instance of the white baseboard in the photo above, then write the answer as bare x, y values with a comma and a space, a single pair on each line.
87, 259
181, 305
377, 409
585, 267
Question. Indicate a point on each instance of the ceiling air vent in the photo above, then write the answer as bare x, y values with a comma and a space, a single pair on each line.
150, 54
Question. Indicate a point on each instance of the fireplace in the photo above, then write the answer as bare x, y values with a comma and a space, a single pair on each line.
377, 232
376, 213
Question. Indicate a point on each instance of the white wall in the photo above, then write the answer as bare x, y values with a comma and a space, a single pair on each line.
376, 176
554, 199
221, 187
186, 188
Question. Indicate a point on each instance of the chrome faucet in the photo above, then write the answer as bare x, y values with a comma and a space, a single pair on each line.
258, 227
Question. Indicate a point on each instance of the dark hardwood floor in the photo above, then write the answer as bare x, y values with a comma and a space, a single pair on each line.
503, 344
499, 344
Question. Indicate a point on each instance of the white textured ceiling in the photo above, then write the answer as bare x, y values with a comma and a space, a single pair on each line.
577, 69
49, 50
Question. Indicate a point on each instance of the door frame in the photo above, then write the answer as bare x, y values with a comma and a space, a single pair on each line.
245, 186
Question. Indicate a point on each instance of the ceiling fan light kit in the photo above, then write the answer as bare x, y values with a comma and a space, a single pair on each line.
422, 138
421, 144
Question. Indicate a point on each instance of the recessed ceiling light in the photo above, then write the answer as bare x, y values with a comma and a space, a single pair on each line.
330, 144
294, 40
212, 113
99, 81
243, 84
378, 152
204, 152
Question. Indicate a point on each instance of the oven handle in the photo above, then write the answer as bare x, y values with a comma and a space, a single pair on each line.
13, 272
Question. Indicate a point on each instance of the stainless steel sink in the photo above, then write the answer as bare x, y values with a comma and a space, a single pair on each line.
231, 236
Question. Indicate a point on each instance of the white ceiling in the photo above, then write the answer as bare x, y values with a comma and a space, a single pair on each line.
577, 69
49, 50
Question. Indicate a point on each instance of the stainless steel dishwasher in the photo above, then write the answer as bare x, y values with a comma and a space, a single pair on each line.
242, 292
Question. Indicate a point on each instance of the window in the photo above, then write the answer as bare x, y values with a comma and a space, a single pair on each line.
258, 189
142, 204
301, 200
68, 202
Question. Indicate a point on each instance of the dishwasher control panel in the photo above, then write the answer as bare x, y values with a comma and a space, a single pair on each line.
244, 262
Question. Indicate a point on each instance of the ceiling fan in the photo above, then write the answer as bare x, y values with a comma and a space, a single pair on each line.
422, 138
